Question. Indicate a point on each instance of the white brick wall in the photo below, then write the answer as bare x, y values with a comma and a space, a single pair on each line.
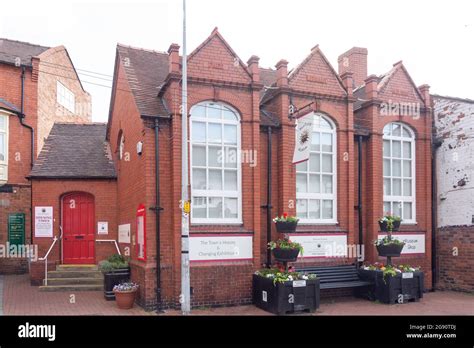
454, 124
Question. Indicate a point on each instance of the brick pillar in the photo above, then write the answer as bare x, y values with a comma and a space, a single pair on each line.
286, 142
374, 170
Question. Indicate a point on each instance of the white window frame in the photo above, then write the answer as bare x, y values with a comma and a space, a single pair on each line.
401, 199
216, 193
4, 163
322, 196
65, 97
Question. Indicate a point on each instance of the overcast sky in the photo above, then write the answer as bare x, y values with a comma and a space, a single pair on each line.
435, 39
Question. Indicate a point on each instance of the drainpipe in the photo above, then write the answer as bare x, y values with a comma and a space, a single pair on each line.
21, 117
157, 210
359, 188
269, 206
434, 212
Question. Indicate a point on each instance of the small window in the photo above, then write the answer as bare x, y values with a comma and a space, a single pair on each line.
65, 97
121, 145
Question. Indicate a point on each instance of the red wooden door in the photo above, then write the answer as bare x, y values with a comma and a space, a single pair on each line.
78, 223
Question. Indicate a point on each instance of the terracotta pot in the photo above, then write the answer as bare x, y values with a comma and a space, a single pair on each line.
125, 299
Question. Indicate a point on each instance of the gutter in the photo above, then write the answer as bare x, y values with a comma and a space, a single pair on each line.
21, 117
268, 206
157, 209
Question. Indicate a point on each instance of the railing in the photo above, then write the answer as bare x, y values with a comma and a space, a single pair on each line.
45, 259
110, 241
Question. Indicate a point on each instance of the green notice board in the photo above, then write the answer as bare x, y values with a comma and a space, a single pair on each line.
16, 228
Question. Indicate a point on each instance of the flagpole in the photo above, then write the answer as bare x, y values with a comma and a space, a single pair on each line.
185, 297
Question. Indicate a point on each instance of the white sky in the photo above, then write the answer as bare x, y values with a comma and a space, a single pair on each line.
435, 39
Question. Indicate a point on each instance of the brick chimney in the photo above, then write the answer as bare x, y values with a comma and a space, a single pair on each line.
173, 52
354, 61
253, 68
282, 73
425, 93
371, 84
348, 81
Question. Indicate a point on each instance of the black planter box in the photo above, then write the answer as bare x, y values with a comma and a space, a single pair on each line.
113, 278
393, 250
384, 226
286, 227
288, 297
285, 255
398, 289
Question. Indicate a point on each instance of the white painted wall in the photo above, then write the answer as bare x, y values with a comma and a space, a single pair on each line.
454, 123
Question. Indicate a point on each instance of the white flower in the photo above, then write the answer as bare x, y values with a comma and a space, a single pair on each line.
290, 277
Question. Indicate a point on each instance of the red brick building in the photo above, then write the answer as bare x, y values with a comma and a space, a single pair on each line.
38, 86
235, 109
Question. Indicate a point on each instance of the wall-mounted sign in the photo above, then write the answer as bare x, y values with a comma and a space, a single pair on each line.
141, 232
16, 228
124, 233
220, 247
322, 244
304, 131
102, 227
414, 242
43, 222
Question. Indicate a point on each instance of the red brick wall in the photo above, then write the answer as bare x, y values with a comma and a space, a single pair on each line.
49, 193
19, 154
455, 247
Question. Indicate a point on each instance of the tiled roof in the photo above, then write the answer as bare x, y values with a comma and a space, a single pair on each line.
146, 71
75, 151
10, 50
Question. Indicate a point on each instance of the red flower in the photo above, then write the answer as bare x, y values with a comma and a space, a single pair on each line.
285, 215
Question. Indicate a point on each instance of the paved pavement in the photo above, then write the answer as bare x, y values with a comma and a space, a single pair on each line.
19, 298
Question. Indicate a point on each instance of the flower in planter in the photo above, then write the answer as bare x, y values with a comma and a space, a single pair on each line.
280, 277
390, 270
285, 218
126, 287
285, 244
387, 241
390, 221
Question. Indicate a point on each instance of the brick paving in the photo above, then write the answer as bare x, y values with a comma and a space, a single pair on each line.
19, 298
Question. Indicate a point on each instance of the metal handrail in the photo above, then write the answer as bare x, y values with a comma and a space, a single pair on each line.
45, 258
111, 241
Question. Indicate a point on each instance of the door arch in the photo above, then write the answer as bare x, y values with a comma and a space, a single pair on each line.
78, 226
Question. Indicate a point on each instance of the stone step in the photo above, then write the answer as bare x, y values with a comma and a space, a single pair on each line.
75, 281
71, 288
77, 268
75, 274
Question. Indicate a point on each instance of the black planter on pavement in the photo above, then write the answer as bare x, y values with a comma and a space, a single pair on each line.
402, 288
287, 297
112, 278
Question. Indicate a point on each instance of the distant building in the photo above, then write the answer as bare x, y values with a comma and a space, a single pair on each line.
38, 86
454, 130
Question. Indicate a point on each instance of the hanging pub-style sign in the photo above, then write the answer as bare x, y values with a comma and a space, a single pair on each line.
141, 233
304, 132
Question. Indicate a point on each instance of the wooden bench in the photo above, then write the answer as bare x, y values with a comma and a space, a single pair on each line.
335, 277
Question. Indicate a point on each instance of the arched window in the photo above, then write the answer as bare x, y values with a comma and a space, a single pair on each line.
215, 164
399, 171
316, 178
